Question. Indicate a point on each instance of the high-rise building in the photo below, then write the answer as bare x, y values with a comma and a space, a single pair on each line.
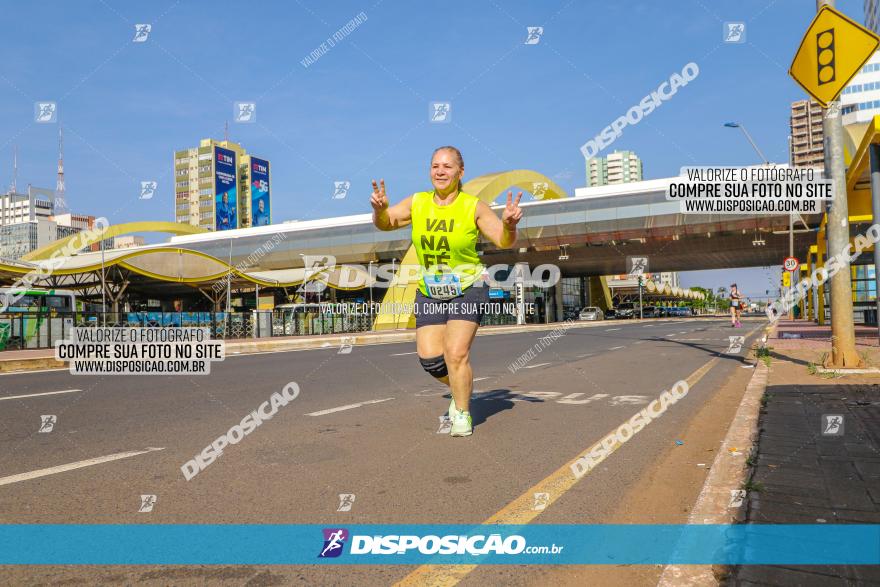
28, 234
807, 138
36, 203
617, 167
860, 99
872, 15
218, 186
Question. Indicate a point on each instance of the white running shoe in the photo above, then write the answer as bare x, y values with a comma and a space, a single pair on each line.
462, 425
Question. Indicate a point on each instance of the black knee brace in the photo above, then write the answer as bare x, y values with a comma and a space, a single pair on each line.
436, 366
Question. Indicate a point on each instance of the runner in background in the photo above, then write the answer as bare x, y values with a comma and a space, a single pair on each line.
735, 306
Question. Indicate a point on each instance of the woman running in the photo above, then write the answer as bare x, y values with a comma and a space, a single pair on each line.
735, 307
450, 302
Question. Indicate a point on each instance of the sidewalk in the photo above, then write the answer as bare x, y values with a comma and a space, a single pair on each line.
810, 331
802, 476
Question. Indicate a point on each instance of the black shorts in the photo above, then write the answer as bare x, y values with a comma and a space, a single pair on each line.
470, 306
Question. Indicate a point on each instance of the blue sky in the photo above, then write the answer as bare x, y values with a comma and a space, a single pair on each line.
361, 110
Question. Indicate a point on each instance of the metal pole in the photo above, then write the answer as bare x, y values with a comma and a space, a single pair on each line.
229, 280
641, 313
790, 239
103, 288
748, 136
519, 293
791, 254
370, 271
875, 208
843, 338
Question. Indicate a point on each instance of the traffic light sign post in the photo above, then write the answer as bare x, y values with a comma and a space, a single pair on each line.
641, 283
832, 51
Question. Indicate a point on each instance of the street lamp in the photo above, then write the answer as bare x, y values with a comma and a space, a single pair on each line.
764, 159
103, 288
749, 137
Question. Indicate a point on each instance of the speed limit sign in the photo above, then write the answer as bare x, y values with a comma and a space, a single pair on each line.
790, 264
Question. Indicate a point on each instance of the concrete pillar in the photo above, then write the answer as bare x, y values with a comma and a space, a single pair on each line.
557, 295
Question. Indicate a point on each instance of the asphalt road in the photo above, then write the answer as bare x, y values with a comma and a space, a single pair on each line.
365, 423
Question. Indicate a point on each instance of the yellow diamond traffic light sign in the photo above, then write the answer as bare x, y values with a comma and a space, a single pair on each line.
832, 51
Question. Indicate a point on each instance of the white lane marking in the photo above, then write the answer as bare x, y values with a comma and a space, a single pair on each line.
625, 400
401, 354
610, 329
533, 366
39, 394
614, 348
639, 342
482, 378
349, 407
429, 393
683, 332
72, 466
587, 355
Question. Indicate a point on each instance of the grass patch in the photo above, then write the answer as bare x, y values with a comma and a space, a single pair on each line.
766, 398
811, 368
751, 485
765, 354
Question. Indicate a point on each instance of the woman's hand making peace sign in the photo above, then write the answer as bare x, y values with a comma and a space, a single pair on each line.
512, 212
379, 200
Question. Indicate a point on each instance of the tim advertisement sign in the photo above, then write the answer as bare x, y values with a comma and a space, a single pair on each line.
225, 188
260, 192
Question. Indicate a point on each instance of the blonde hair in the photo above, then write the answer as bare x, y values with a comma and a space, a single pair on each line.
459, 159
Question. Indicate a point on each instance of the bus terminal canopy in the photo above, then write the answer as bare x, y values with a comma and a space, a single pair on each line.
599, 226
171, 265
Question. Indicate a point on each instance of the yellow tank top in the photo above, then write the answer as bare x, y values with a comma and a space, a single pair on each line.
445, 237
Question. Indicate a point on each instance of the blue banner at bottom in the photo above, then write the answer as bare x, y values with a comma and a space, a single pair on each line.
220, 544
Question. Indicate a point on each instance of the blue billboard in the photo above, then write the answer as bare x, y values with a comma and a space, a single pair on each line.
225, 189
260, 211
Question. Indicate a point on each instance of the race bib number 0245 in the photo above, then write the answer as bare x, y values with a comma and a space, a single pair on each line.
444, 286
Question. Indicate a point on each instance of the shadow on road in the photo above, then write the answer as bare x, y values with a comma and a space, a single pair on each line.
741, 358
488, 403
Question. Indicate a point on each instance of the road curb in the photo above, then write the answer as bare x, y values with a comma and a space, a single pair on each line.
35, 364
355, 339
727, 474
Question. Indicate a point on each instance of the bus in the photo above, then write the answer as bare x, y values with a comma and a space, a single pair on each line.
35, 318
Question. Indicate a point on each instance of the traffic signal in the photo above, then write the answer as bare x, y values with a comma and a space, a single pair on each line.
641, 281
825, 56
